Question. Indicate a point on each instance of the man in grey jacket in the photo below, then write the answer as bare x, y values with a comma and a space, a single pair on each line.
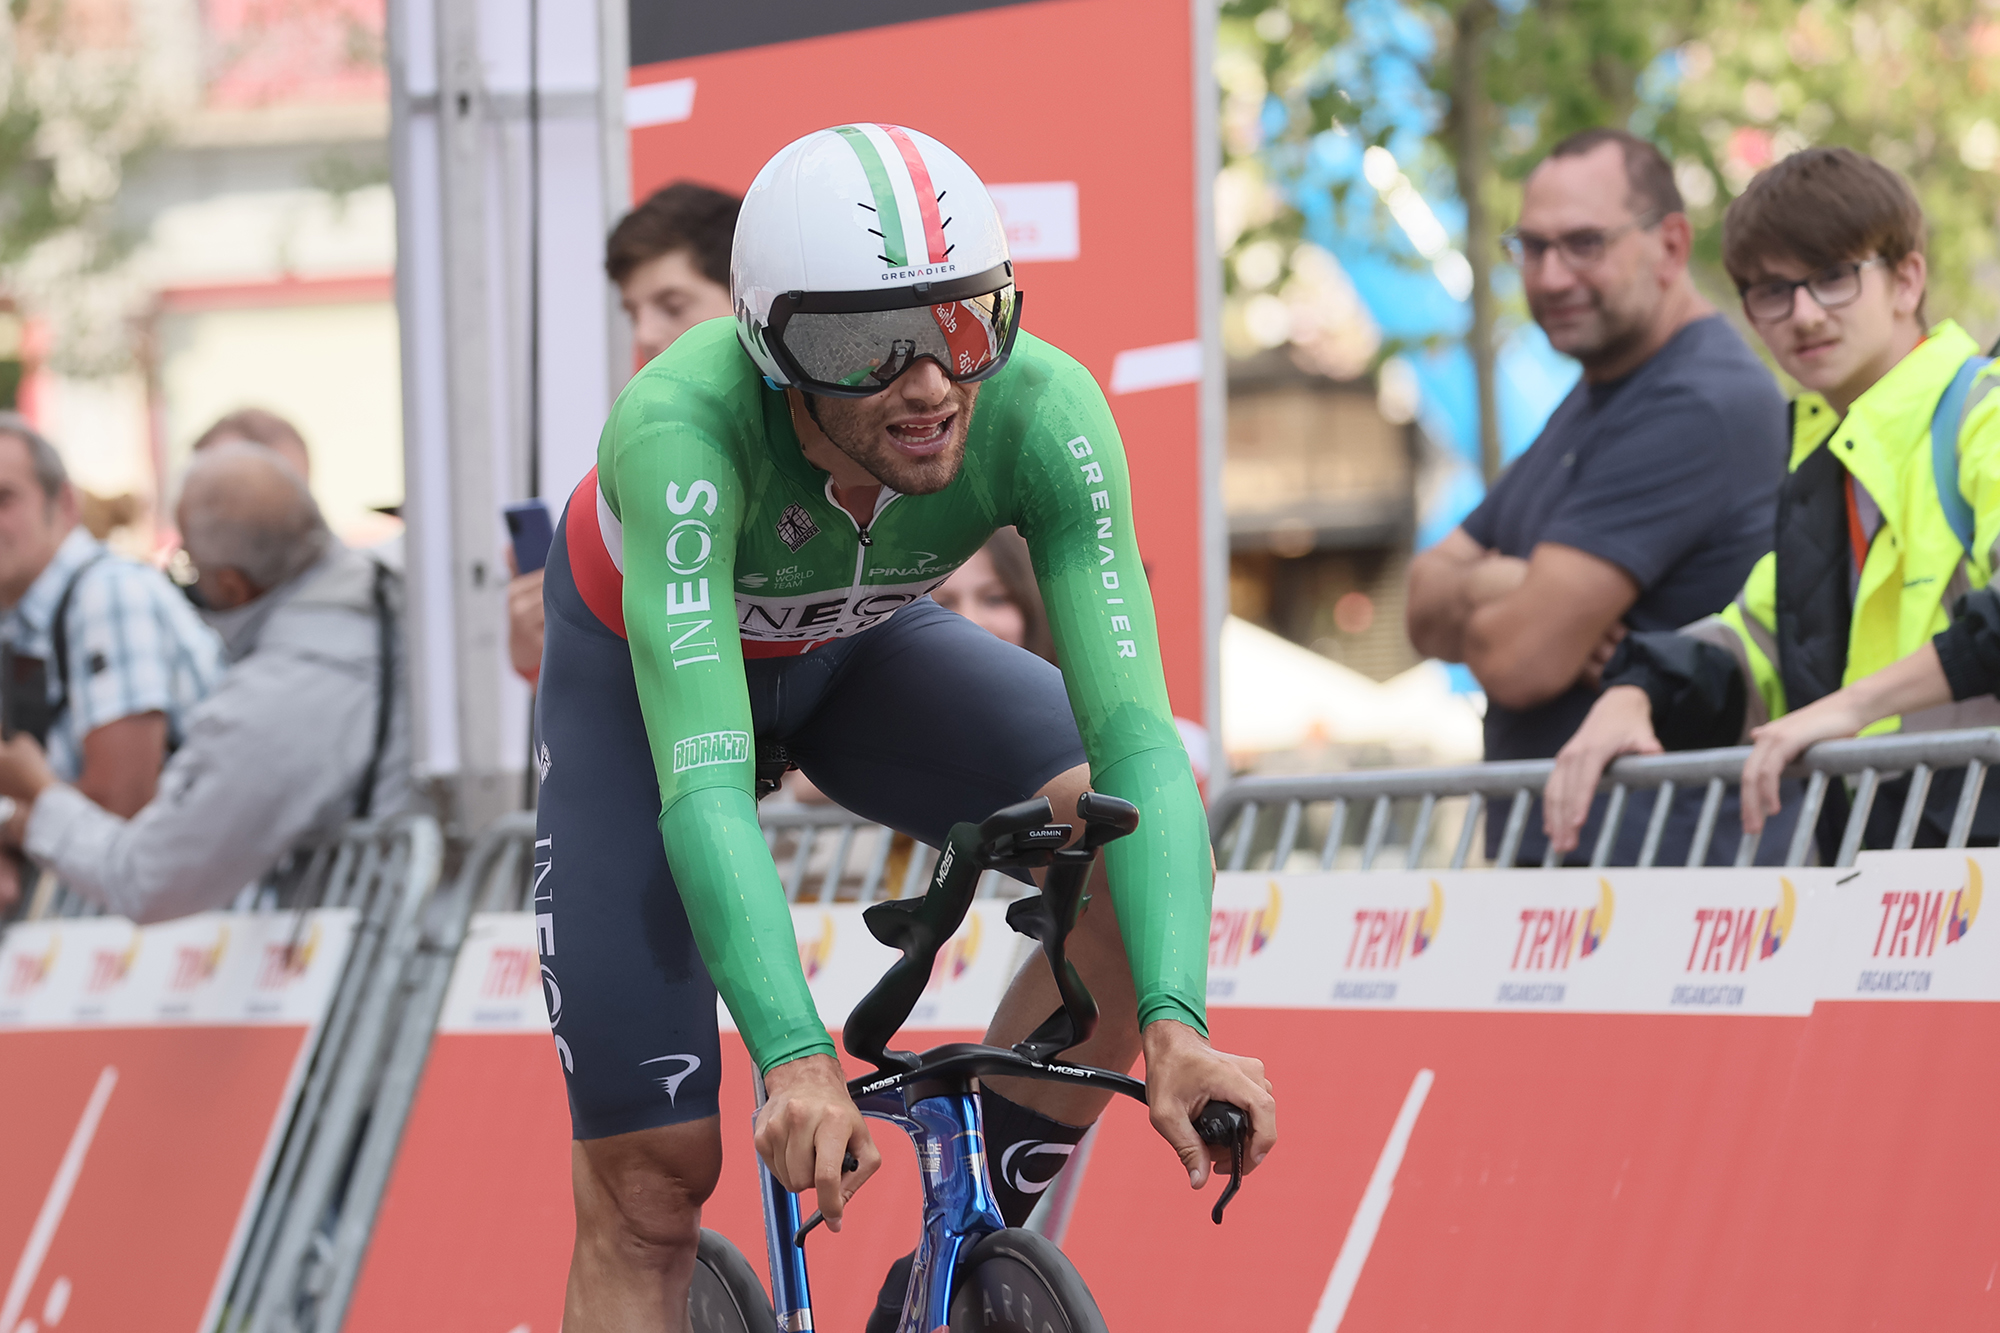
306, 730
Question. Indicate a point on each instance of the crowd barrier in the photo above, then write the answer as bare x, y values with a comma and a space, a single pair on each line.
192, 1082
475, 1226
1314, 811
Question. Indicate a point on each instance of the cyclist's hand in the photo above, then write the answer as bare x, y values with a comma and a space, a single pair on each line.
1183, 1074
807, 1125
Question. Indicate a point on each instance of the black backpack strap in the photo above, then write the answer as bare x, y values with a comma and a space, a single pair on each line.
59, 635
385, 688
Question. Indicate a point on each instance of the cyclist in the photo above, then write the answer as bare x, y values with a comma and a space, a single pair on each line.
749, 564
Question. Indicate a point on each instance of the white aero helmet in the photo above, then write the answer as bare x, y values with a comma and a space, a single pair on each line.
863, 249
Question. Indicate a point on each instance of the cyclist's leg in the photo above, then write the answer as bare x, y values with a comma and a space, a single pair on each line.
632, 1006
638, 1223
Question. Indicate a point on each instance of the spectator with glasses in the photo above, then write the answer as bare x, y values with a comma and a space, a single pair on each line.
1648, 495
1874, 612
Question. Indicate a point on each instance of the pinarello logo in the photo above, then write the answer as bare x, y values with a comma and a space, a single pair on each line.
25, 971
1236, 933
1729, 939
1385, 936
509, 973
956, 958
1551, 938
814, 952
1915, 922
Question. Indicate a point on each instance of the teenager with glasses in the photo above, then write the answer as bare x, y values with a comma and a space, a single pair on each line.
1874, 611
1648, 495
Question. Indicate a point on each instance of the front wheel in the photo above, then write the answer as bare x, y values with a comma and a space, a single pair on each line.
1017, 1281
725, 1296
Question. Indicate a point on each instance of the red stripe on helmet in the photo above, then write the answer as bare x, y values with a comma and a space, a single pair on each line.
920, 176
597, 579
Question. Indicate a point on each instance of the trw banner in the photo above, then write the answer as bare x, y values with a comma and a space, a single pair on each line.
475, 1230
150, 1072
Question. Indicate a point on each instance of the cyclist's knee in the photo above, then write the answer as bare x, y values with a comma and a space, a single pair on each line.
643, 1191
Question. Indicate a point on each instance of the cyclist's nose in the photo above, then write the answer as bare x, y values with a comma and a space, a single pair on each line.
924, 383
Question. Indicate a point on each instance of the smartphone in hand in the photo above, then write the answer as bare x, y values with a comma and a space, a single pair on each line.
531, 529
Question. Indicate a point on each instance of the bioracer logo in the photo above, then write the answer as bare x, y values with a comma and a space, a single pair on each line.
713, 747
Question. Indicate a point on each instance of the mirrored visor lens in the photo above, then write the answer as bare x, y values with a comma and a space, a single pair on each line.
873, 347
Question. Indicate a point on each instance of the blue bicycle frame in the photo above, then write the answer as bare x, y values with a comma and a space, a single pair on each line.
959, 1208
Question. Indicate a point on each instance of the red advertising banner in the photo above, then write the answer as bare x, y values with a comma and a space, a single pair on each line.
1079, 115
1531, 1102
149, 1074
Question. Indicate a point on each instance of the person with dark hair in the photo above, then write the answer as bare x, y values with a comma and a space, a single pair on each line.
1649, 493
669, 259
1875, 610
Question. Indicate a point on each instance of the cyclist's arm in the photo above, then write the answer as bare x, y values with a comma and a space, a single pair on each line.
679, 497
1073, 503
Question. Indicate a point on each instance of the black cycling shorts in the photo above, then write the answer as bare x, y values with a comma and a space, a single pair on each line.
919, 723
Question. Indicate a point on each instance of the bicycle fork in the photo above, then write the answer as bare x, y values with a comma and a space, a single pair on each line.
791, 1291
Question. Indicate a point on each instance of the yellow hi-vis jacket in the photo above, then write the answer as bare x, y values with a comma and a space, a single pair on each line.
1915, 568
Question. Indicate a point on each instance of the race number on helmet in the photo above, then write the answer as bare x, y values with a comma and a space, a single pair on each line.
863, 249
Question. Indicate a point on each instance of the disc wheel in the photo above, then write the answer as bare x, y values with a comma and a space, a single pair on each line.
1017, 1281
726, 1296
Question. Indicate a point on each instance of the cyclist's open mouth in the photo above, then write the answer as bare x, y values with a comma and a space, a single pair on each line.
924, 436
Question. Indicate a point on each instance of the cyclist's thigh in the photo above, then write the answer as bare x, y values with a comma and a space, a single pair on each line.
633, 1006
931, 720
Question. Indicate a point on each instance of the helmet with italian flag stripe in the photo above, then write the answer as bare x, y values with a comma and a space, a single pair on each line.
862, 249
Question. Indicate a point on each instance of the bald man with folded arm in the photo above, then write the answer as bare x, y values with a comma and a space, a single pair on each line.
306, 730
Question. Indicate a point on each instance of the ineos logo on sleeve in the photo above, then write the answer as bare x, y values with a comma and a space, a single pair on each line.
688, 546
702, 493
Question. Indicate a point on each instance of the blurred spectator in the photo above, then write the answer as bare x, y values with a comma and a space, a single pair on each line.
670, 260
996, 591
120, 654
256, 425
306, 730
1649, 493
1877, 604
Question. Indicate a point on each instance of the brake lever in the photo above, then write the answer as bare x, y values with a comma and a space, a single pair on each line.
1218, 1123
848, 1165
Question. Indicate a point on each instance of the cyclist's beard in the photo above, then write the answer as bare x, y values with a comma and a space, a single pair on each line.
859, 428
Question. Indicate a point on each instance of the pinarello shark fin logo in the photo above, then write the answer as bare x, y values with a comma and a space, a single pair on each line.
814, 952
1427, 925
1778, 920
1597, 924
672, 1082
1964, 905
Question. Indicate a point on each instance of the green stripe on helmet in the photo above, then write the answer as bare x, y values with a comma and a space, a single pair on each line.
886, 207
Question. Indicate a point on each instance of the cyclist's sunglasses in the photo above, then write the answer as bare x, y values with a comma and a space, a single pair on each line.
1834, 286
845, 345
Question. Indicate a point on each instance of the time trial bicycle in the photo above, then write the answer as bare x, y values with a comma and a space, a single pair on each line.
971, 1273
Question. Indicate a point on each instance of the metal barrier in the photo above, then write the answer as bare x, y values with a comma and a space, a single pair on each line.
386, 871
1245, 840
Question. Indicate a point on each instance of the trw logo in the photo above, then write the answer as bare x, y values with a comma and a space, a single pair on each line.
1384, 938
1729, 939
1915, 923
1551, 938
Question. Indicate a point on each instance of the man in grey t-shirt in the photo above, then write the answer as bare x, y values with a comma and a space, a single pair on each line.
1650, 492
